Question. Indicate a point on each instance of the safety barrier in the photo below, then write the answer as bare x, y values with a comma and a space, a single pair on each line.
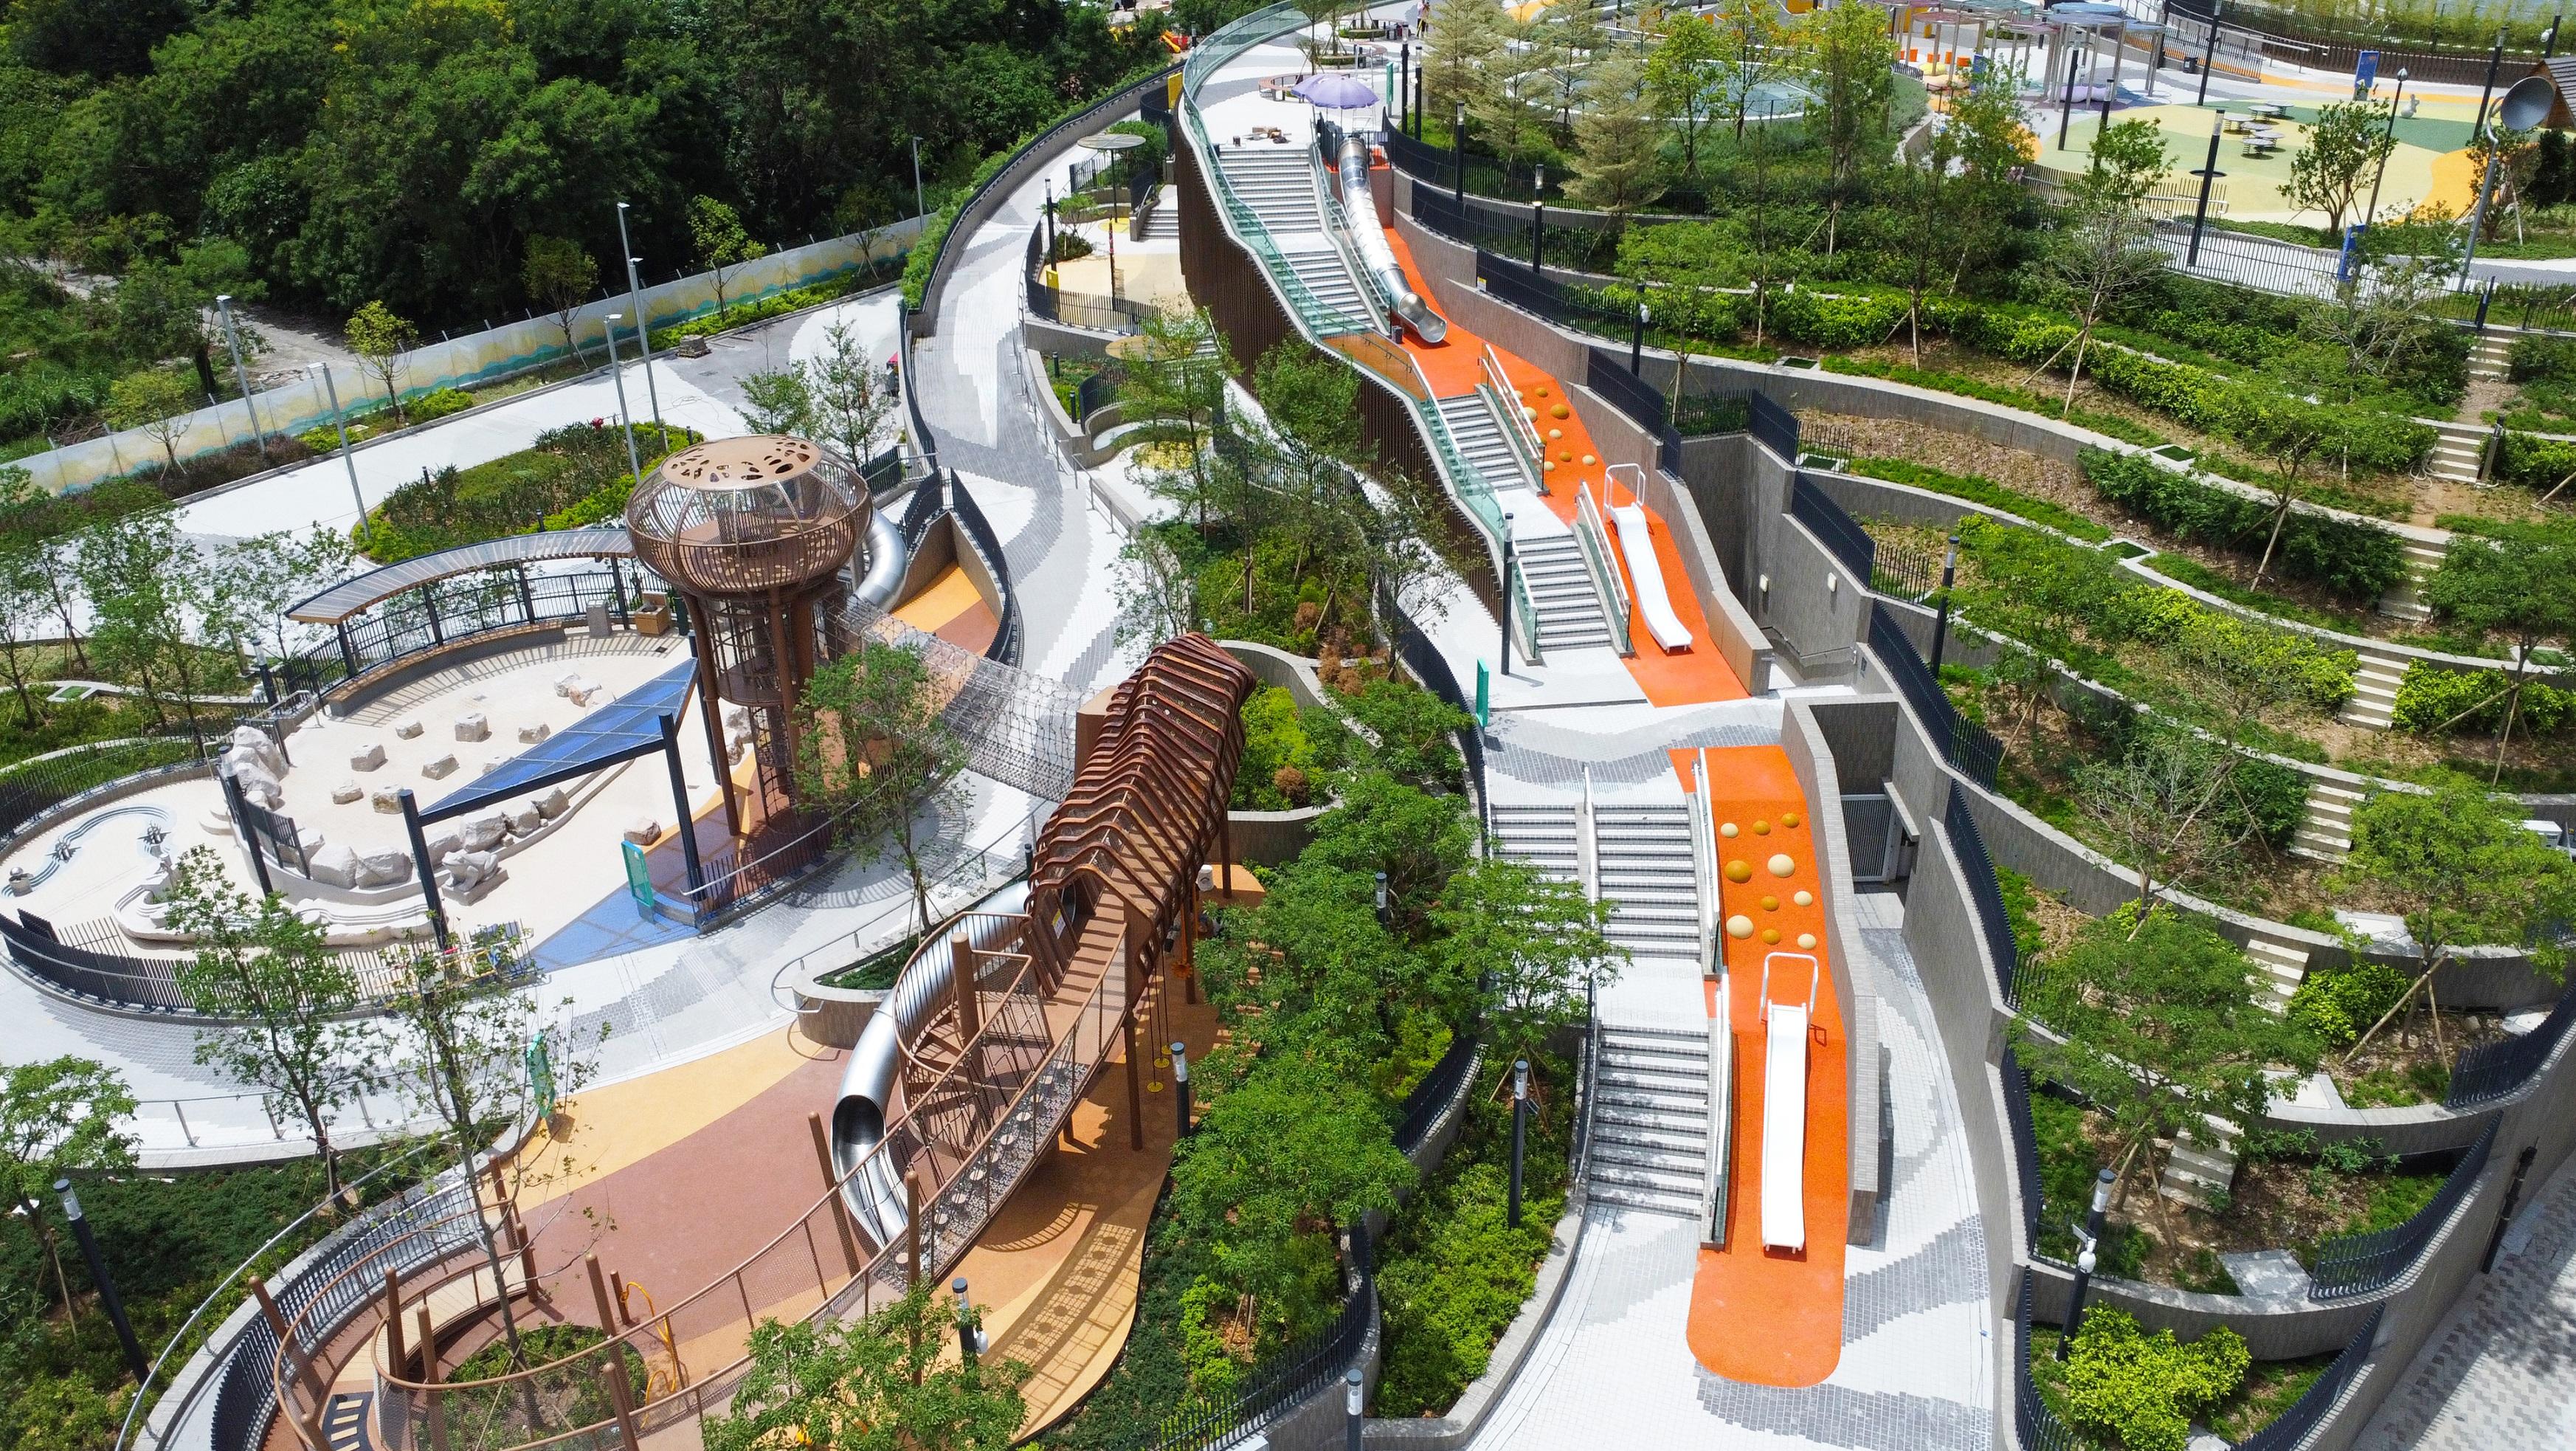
1985, 890
1834, 527
2492, 1071
1963, 743
2364, 1264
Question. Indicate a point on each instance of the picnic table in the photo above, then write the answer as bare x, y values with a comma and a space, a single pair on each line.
2268, 110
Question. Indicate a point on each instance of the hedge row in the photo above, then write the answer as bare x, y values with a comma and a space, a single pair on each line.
2535, 462
2431, 699
2358, 560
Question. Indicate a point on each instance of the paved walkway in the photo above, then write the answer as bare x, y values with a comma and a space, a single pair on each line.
1612, 1367
2501, 1371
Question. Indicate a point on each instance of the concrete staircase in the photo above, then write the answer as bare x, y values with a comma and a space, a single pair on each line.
2405, 599
2374, 692
1479, 435
2491, 356
1560, 589
1643, 856
1650, 1120
2197, 1173
2458, 450
1543, 836
1278, 183
2326, 832
2279, 970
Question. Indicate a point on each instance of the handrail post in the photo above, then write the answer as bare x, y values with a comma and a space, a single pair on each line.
832, 1191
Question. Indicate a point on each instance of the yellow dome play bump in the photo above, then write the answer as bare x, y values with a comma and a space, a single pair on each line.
1589, 460
1781, 866
1807, 940
1788, 818
1739, 871
1804, 898
1739, 926
1762, 828
1771, 935
1770, 904
1555, 433
1560, 411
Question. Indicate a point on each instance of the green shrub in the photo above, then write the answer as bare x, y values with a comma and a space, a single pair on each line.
1979, 490
2021, 907
1837, 320
1215, 1371
2352, 558
2534, 462
2339, 1003
2432, 699
1278, 754
2276, 797
2145, 1389
570, 476
2539, 355
1414, 730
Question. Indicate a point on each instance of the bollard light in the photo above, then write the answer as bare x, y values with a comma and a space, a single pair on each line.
1354, 1398
1520, 1135
1181, 1089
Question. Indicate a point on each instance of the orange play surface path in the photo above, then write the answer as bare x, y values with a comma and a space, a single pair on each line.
1688, 677
1772, 1317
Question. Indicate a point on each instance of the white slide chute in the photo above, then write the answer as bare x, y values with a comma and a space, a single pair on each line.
1654, 606
1784, 1110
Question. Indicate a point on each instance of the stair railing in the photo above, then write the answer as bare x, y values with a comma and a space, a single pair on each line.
1703, 820
1592, 539
1587, 846
1518, 431
1719, 1170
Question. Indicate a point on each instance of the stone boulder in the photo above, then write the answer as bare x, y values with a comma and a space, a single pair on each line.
346, 792
250, 743
486, 831
387, 801
469, 869
443, 843
258, 784
409, 730
529, 735
383, 868
335, 866
642, 830
554, 803
524, 819
370, 759
442, 768
473, 726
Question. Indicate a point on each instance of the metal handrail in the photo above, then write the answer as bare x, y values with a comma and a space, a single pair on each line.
1517, 428
1592, 539
1337, 228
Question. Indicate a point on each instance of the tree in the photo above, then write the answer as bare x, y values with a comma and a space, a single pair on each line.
260, 577
289, 1001
1615, 161
716, 233
559, 276
2347, 144
157, 402
2164, 804
151, 592
2286, 430
2145, 1390
2108, 250
1852, 57
2513, 582
875, 1384
778, 400
1418, 840
874, 752
380, 338
1275, 1163
1157, 596
472, 1045
1457, 58
1539, 938
58, 1118
1753, 46
2153, 1020
2456, 866
1683, 78
1985, 132
1926, 187
851, 399
23, 612
1174, 394
1320, 15
1570, 40
2513, 158
1510, 110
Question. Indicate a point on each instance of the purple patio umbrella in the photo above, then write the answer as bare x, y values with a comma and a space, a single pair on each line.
1335, 91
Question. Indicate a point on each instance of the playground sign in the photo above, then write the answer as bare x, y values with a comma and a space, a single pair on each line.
639, 878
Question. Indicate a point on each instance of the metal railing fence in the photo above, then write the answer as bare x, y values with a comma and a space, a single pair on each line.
2493, 1071
1985, 892
2365, 1264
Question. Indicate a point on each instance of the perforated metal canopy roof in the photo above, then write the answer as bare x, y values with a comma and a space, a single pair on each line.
349, 596
625, 728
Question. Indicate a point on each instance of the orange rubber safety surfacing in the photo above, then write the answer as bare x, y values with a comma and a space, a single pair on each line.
1762, 1316
1694, 676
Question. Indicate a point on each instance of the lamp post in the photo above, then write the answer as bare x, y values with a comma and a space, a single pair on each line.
918, 209
1458, 158
1637, 343
1050, 216
643, 334
1538, 218
2209, 175
1381, 899
625, 424
1941, 621
2091, 1232
232, 340
1520, 1135
341, 422
106, 1287
1181, 1089
970, 1336
2208, 59
2066, 100
2371, 213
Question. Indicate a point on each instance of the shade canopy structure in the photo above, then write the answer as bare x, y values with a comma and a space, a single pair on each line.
362, 592
1335, 91
625, 728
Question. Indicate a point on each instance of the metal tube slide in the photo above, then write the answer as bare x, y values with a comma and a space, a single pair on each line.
1370, 241
886, 561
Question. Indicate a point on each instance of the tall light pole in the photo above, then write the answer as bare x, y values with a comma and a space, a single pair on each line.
232, 339
340, 421
2370, 214
643, 333
625, 423
107, 1298
1941, 622
1538, 218
1520, 1134
918, 209
2209, 175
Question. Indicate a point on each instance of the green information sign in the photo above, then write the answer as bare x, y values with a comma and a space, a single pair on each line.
639, 878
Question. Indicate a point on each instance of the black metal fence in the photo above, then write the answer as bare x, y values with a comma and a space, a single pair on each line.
1775, 427
1424, 659
2492, 1071
2290, 1428
979, 533
1985, 891
1631, 395
1533, 292
2040, 1428
1077, 309
1834, 527
34, 788
459, 608
1422, 1106
2364, 1264
1095, 393
1963, 743
928, 501
1293, 1375
2025, 1145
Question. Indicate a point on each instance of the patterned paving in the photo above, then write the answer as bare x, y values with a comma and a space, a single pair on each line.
2500, 1372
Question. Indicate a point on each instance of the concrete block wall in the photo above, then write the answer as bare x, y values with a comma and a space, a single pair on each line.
1854, 970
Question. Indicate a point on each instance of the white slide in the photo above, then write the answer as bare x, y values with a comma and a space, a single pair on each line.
1784, 1128
1653, 605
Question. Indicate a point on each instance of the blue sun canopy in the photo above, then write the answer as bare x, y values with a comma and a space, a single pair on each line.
625, 728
